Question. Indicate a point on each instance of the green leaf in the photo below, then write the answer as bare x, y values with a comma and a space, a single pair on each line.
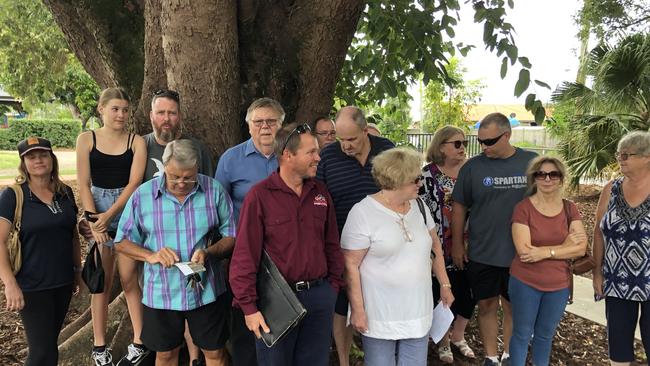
522, 83
542, 84
511, 4
524, 62
540, 113
512, 53
504, 67
530, 99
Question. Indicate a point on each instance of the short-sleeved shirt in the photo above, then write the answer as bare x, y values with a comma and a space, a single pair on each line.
626, 261
46, 237
347, 181
491, 188
548, 274
155, 152
154, 219
395, 273
241, 167
299, 234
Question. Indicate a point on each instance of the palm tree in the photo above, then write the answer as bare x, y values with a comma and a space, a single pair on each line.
617, 102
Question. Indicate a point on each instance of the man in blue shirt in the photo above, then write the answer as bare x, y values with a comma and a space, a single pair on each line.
345, 167
168, 220
239, 168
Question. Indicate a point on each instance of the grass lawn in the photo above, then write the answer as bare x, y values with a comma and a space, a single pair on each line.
9, 160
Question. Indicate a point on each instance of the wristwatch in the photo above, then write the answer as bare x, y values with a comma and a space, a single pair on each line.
552, 253
447, 285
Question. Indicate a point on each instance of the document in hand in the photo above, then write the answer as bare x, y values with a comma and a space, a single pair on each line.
190, 268
276, 301
442, 318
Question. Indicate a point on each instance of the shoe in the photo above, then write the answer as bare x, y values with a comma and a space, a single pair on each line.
464, 348
505, 362
103, 358
134, 356
488, 362
445, 355
198, 363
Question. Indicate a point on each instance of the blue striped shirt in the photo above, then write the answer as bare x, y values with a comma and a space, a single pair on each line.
153, 218
347, 181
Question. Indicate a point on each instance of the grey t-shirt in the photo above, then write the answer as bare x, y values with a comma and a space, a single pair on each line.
155, 152
490, 189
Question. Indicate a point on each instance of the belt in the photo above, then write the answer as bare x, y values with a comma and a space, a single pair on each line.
306, 285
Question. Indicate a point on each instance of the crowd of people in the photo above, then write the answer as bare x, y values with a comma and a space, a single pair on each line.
367, 236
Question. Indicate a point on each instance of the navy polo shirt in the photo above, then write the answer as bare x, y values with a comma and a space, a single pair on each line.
347, 181
46, 236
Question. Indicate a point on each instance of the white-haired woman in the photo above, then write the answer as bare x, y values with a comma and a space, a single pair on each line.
622, 249
387, 240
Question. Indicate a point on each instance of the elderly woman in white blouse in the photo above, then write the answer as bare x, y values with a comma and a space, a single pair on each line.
388, 241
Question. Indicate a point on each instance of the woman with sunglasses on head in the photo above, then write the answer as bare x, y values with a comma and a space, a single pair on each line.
446, 155
546, 230
51, 261
622, 249
110, 166
387, 241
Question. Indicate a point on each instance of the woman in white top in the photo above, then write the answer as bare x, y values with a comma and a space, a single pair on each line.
387, 244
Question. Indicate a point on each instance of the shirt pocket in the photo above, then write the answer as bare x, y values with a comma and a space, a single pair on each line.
319, 218
278, 229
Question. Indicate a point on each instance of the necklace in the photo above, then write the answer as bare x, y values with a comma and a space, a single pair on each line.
401, 222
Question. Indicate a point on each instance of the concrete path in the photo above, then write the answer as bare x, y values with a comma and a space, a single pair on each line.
584, 305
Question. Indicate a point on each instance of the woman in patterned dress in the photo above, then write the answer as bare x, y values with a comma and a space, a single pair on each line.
446, 155
622, 249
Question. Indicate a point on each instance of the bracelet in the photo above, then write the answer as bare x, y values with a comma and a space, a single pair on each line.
446, 285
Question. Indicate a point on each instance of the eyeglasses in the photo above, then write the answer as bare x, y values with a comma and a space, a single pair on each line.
490, 142
457, 143
623, 156
407, 234
542, 175
418, 179
271, 122
300, 129
167, 93
326, 133
182, 181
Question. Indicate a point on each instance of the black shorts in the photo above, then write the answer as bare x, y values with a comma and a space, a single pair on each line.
488, 281
163, 330
464, 303
342, 302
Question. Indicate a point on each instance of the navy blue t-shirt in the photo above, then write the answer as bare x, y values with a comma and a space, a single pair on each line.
347, 181
46, 235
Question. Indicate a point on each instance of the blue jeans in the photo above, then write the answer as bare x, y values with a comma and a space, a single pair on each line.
308, 343
534, 313
104, 199
401, 352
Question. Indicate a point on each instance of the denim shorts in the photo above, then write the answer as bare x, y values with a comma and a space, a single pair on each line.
104, 199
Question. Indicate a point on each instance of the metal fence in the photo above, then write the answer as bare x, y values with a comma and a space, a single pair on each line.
421, 142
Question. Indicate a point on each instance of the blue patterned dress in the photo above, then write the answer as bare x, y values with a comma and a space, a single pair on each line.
626, 262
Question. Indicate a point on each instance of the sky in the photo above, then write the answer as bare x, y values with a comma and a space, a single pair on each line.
545, 33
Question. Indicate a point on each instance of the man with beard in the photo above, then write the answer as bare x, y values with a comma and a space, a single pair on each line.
167, 126
292, 217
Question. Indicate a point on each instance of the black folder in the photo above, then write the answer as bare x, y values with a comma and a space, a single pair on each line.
276, 301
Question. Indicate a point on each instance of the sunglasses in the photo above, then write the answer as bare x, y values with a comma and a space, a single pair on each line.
407, 234
623, 156
542, 175
300, 129
418, 179
457, 143
490, 142
167, 93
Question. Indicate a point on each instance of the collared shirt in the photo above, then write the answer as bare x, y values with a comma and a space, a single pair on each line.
347, 181
153, 218
299, 233
241, 167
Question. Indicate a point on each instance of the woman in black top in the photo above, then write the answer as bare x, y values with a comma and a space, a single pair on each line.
110, 166
51, 259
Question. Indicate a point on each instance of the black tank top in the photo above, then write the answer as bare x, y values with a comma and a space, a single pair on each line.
110, 171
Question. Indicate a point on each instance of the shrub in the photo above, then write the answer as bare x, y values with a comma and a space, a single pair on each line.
60, 132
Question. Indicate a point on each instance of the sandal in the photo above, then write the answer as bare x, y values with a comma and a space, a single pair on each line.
445, 355
464, 349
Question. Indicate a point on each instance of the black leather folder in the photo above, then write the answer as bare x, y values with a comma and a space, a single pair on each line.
276, 301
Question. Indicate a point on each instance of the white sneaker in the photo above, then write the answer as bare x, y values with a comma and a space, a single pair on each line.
135, 355
103, 358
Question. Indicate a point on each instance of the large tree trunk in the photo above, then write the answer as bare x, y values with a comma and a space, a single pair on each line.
220, 55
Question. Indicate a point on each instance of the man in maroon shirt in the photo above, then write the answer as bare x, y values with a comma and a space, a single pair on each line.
292, 217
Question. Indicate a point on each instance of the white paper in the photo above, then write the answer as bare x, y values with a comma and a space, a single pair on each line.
188, 268
442, 318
